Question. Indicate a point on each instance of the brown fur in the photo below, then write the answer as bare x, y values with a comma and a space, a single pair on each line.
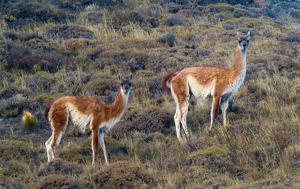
84, 107
167, 79
219, 78
46, 114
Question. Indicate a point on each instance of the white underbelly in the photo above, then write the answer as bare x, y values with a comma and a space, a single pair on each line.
201, 91
80, 120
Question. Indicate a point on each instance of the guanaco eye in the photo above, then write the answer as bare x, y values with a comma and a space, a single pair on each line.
240, 41
247, 41
129, 84
122, 84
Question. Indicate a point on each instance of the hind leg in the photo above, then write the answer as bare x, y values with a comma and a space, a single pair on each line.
48, 148
180, 93
183, 114
57, 135
177, 124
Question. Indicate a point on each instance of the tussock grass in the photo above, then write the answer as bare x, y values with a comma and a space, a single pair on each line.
29, 120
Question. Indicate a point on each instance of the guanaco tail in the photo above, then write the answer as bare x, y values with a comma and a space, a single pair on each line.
207, 82
85, 113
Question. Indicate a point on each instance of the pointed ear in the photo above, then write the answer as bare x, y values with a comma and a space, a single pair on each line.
238, 35
130, 77
248, 35
120, 78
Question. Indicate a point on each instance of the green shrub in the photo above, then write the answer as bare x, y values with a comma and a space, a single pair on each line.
169, 38
228, 26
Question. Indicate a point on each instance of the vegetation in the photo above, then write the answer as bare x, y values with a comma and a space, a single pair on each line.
50, 49
29, 120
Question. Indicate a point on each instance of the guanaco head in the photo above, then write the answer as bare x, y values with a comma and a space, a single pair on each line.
243, 41
125, 84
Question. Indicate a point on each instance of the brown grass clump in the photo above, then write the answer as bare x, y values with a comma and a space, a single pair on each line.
113, 146
13, 106
45, 99
79, 44
55, 181
58, 166
69, 31
14, 150
29, 120
150, 120
123, 174
214, 159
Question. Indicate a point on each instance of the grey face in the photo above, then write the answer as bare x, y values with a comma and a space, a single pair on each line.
243, 41
125, 84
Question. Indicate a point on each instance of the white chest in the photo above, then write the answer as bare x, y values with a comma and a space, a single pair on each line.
112, 121
201, 91
235, 85
79, 119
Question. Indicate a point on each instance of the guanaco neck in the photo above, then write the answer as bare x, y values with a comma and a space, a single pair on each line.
118, 107
240, 64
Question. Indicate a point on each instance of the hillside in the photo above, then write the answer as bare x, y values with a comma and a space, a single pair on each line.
50, 49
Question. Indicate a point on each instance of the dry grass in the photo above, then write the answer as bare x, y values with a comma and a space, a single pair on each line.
29, 120
258, 148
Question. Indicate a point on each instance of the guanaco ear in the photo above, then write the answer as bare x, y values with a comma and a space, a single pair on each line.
238, 35
248, 35
130, 77
120, 78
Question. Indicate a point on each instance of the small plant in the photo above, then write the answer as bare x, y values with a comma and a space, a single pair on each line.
29, 120
228, 26
174, 20
170, 38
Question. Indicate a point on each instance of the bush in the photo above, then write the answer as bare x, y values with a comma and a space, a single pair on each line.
12, 107
168, 37
57, 181
228, 26
12, 169
69, 31
60, 167
11, 34
145, 121
29, 120
143, 20
38, 12
214, 159
79, 44
174, 20
16, 150
173, 8
123, 175
44, 99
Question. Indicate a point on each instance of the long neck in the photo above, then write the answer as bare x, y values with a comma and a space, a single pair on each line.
117, 108
240, 62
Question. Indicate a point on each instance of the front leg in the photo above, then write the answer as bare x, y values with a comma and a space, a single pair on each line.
102, 142
94, 144
224, 107
214, 110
